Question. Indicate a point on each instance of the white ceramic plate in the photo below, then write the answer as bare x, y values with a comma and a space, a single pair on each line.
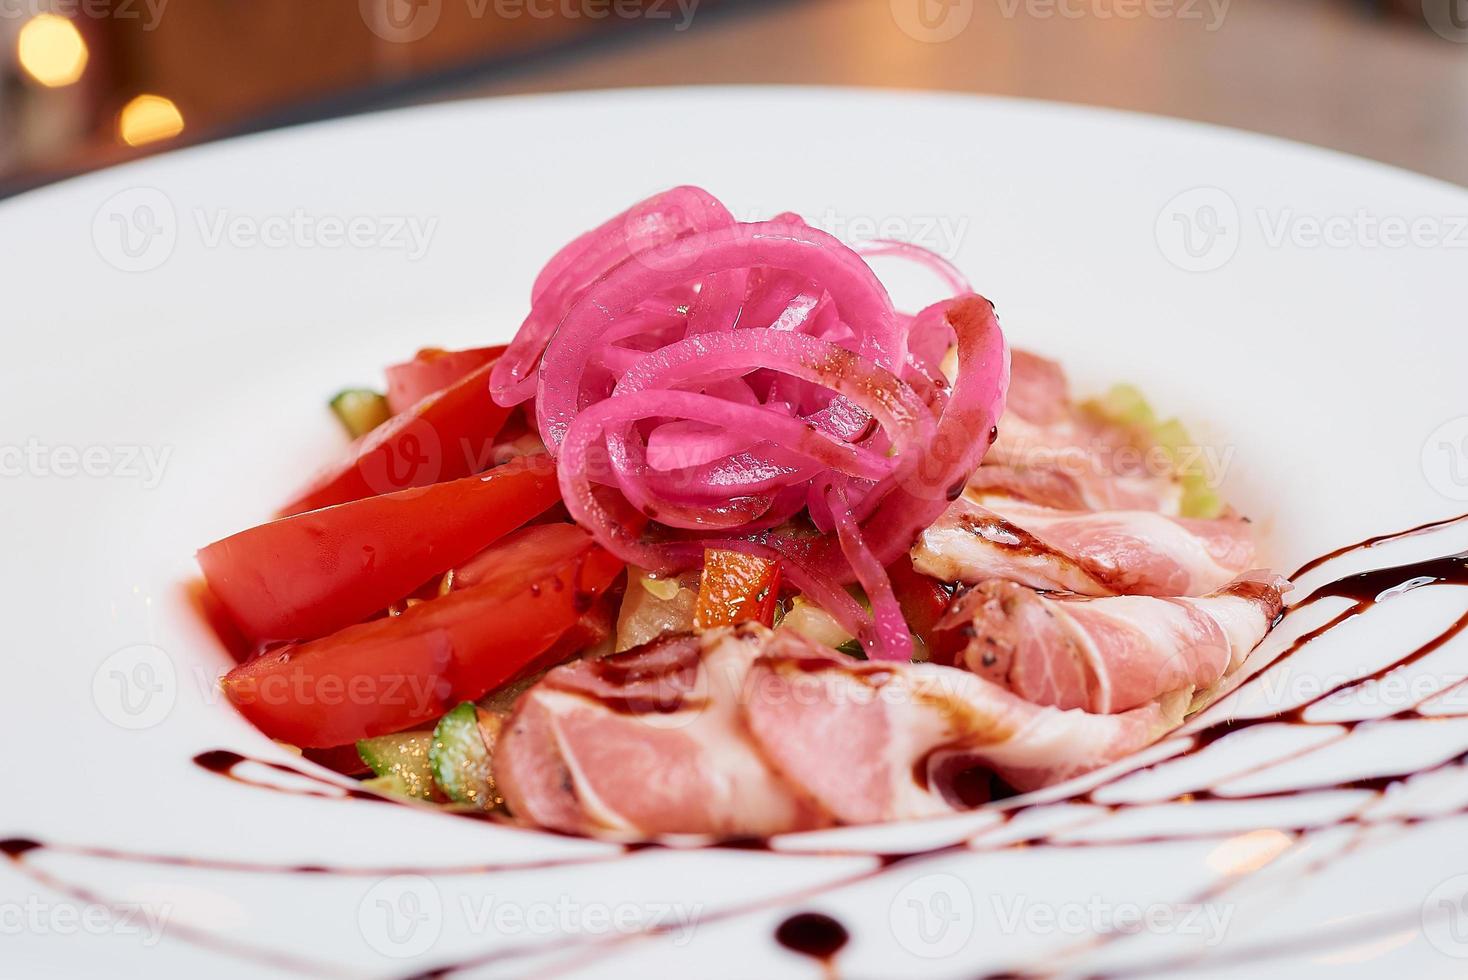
172, 328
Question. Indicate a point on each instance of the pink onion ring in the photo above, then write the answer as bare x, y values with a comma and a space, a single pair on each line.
749, 386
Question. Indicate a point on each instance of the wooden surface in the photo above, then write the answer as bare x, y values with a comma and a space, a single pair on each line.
1313, 70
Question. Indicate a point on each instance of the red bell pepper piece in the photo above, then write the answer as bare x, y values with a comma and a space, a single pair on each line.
736, 588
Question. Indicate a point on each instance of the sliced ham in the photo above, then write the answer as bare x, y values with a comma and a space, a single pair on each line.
1038, 390
747, 732
1075, 481
1052, 453
1089, 553
647, 742
1109, 655
877, 741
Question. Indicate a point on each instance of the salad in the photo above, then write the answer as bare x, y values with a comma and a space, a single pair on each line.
722, 543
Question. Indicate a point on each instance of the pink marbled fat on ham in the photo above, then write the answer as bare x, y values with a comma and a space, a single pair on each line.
1111, 654
1052, 453
647, 742
1089, 553
868, 740
747, 731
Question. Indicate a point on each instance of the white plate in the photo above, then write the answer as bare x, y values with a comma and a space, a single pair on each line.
186, 363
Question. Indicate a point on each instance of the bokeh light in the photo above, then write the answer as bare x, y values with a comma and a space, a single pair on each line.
148, 119
51, 50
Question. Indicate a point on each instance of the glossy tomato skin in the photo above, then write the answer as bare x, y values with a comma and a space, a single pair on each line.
398, 672
445, 436
432, 370
308, 575
923, 601
522, 555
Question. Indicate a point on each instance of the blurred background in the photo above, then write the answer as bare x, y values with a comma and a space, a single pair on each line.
87, 83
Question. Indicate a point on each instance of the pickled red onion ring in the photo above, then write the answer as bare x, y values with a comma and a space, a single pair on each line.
750, 386
575, 267
945, 270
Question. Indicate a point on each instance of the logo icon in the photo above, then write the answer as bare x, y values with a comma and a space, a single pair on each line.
1445, 917
413, 457
401, 916
1448, 18
658, 231
1198, 230
400, 21
932, 21
1445, 459
135, 230
933, 916
135, 687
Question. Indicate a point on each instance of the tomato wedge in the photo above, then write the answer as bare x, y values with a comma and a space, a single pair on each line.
923, 601
736, 588
308, 575
432, 369
397, 672
449, 434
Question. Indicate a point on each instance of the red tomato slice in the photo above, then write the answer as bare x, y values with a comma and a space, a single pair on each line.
397, 672
305, 576
432, 369
445, 436
736, 588
923, 601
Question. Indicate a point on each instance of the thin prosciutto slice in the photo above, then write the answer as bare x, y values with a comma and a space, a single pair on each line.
744, 731
1089, 553
877, 741
1110, 655
1070, 479
647, 742
1050, 452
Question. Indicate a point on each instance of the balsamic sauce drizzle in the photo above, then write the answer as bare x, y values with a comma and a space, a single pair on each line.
16, 848
822, 937
813, 934
1376, 540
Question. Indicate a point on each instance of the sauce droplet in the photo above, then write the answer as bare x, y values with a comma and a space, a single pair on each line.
218, 760
812, 934
14, 847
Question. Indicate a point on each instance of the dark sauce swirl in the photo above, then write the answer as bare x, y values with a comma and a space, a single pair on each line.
815, 934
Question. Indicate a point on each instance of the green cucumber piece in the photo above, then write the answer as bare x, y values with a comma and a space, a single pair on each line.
401, 764
360, 410
459, 758
1125, 404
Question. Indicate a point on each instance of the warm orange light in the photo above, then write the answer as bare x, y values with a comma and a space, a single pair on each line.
51, 50
147, 119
